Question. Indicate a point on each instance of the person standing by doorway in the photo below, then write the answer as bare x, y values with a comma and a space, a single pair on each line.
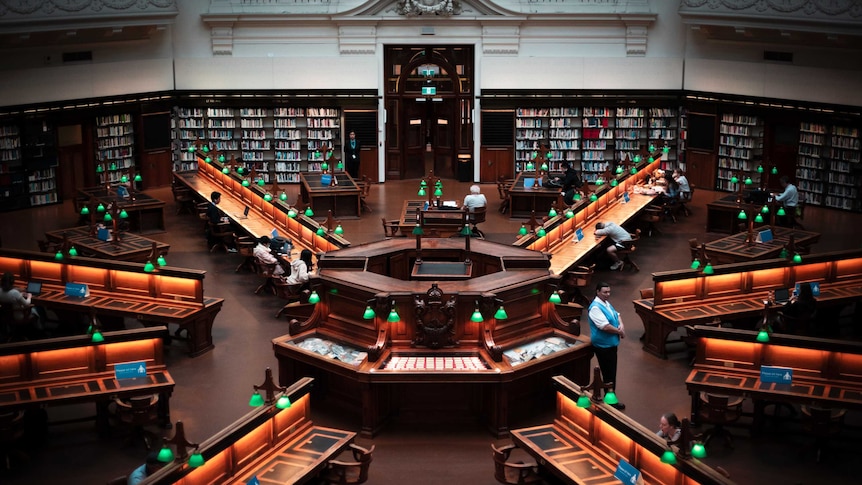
606, 330
351, 155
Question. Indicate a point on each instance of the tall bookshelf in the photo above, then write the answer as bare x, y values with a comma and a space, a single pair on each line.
597, 145
188, 128
115, 141
810, 166
323, 130
564, 136
287, 140
221, 124
530, 131
844, 169
256, 139
662, 130
740, 144
629, 133
12, 187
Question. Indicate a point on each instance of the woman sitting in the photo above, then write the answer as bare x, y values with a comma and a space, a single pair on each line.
300, 268
669, 428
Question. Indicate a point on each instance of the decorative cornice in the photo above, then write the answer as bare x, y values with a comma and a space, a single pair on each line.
357, 39
59, 9
500, 39
827, 16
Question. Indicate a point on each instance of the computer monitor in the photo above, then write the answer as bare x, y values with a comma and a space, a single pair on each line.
782, 295
34, 287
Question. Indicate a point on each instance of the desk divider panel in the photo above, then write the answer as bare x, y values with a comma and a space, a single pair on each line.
12, 368
729, 353
134, 351
767, 279
804, 362
41, 270
847, 366
846, 269
62, 363
180, 289
725, 284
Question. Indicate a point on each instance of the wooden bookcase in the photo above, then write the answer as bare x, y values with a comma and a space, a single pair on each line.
115, 142
324, 131
662, 130
287, 139
530, 130
810, 167
740, 144
564, 129
597, 145
12, 187
256, 140
629, 133
844, 167
188, 124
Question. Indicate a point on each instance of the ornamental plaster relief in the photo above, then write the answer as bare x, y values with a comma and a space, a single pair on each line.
53, 9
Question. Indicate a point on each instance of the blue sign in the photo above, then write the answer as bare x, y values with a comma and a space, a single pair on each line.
764, 236
815, 288
579, 234
781, 375
626, 197
626, 473
274, 233
103, 234
77, 290
253, 481
130, 370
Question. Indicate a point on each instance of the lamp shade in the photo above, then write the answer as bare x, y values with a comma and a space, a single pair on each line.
418, 231
58, 256
783, 253
314, 297
465, 231
668, 457
637, 159
438, 192
619, 169
611, 398
698, 450
650, 159
256, 400
324, 166
321, 231
541, 232
708, 269
501, 314
476, 316
100, 208
267, 197
149, 268
208, 159
124, 179
124, 214
99, 168
339, 165
283, 402
570, 213
393, 316
196, 460
600, 181
748, 181
760, 169
781, 212
338, 230
423, 184
421, 192
161, 260
85, 211
166, 455
291, 213
523, 230
577, 196
695, 264
97, 337
594, 197
221, 158
742, 215
205, 149
651, 147
530, 166
584, 401
113, 166
282, 197
138, 178
309, 212
245, 183
774, 170
369, 313
544, 167
552, 212
762, 336
734, 179
614, 183
108, 217
555, 298
797, 258
260, 182
634, 170
765, 209
758, 219
191, 148
225, 170
73, 252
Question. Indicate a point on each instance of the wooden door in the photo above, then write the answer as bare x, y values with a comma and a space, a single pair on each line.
70, 171
156, 168
700, 169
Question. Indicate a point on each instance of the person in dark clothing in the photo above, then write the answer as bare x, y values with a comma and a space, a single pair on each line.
571, 182
215, 218
802, 305
351, 155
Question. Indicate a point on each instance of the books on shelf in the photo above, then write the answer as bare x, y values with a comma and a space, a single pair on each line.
739, 150
115, 142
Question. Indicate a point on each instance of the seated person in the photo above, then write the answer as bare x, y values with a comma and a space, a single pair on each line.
151, 466
263, 253
474, 199
23, 312
300, 268
682, 181
801, 305
618, 235
669, 428
215, 217
570, 183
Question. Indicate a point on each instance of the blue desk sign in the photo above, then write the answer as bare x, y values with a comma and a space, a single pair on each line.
130, 370
815, 288
626, 197
627, 474
781, 375
764, 236
103, 234
77, 290
253, 481
579, 234
274, 233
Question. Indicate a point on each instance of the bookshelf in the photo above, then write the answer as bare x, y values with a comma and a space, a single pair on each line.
115, 140
629, 133
530, 131
287, 140
662, 130
597, 143
564, 126
323, 131
188, 124
221, 124
12, 187
740, 144
843, 188
256, 140
810, 166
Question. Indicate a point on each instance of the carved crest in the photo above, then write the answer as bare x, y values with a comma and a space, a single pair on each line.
413, 8
435, 320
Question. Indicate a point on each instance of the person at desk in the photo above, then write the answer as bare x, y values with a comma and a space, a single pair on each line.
474, 199
618, 235
789, 198
682, 181
215, 218
23, 312
300, 268
351, 155
669, 428
263, 253
606, 330
801, 307
152, 465
570, 184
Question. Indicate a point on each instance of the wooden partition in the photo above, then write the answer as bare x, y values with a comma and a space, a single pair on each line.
275, 445
121, 289
70, 370
585, 445
826, 372
738, 291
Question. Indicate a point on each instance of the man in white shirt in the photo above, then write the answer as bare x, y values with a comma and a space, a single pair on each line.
474, 199
606, 330
684, 187
789, 198
263, 254
618, 235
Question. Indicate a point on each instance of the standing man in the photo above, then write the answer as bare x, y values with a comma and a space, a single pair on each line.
351, 155
606, 330
789, 198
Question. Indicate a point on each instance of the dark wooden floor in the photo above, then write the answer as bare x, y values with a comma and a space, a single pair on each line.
213, 390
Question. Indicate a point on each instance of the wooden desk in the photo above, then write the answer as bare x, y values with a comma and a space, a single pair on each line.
523, 201
121, 289
146, 213
435, 222
276, 445
72, 370
733, 249
130, 248
342, 199
737, 291
826, 373
585, 445
441, 270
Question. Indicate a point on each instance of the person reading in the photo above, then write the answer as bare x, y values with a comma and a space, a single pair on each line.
669, 428
215, 218
300, 268
570, 183
23, 311
474, 199
263, 253
618, 235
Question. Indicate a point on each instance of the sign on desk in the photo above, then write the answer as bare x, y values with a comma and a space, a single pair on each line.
579, 234
77, 290
628, 474
130, 370
253, 481
780, 375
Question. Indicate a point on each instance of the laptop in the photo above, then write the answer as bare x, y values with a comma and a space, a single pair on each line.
782, 295
34, 287
245, 213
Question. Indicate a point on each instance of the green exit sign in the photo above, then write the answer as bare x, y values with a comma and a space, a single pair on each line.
429, 90
428, 72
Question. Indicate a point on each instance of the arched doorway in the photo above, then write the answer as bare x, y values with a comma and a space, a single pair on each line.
429, 105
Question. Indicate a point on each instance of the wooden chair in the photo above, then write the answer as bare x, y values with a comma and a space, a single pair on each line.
801, 325
344, 472
503, 186
476, 217
822, 424
184, 199
245, 247
16, 329
390, 227
651, 216
138, 412
799, 215
11, 434
577, 278
221, 236
298, 293
364, 189
267, 272
719, 411
684, 198
694, 248
629, 247
513, 472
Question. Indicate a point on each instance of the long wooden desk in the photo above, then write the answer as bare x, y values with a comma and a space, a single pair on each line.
71, 370
443, 222
275, 445
146, 213
826, 373
737, 291
733, 249
523, 201
585, 446
342, 199
120, 289
130, 248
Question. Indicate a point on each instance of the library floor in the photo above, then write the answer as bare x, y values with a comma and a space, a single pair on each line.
212, 390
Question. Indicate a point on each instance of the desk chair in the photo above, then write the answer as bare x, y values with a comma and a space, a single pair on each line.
684, 198
719, 411
184, 199
245, 247
513, 472
137, 412
629, 247
821, 424
14, 330
267, 272
475, 217
297, 293
221, 236
694, 248
651, 216
577, 278
11, 435
801, 325
364, 189
503, 186
390, 227
343, 472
